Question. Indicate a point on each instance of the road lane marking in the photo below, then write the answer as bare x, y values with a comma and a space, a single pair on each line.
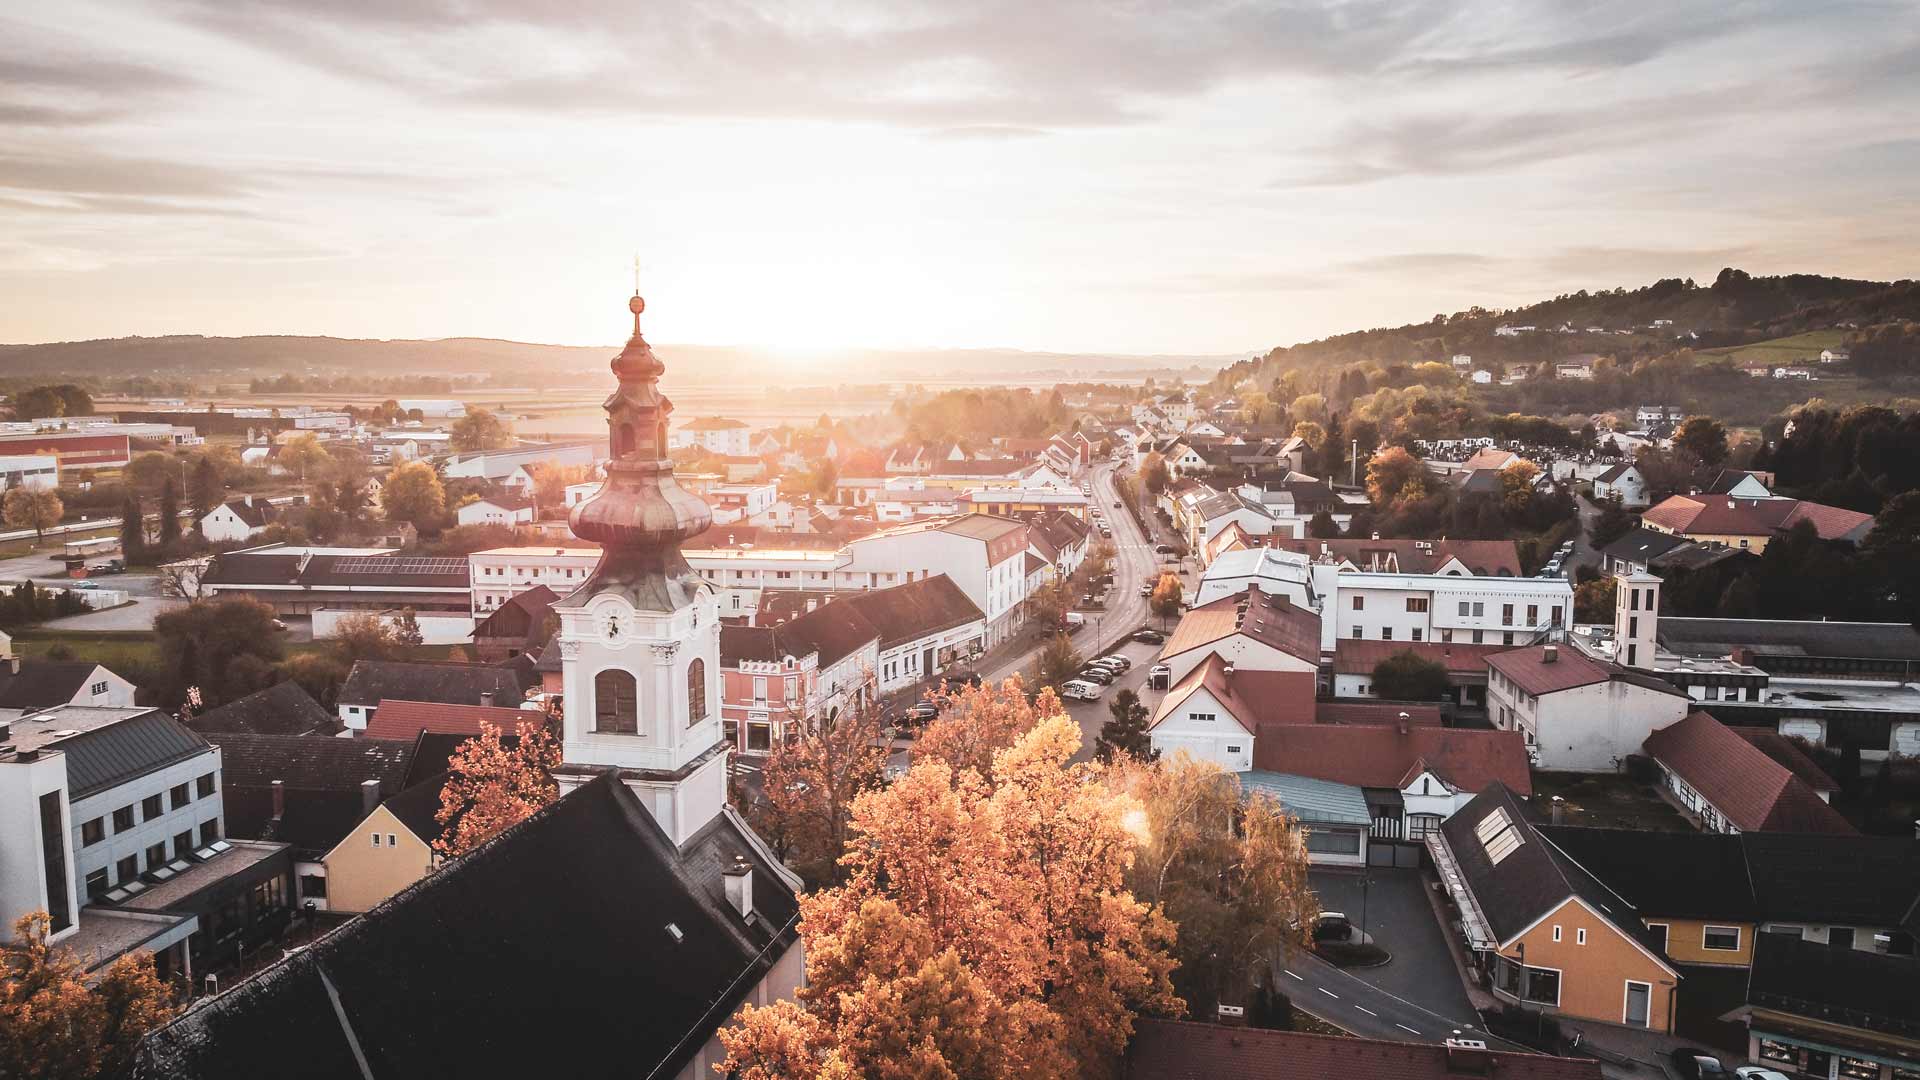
1404, 1027
1328, 992
1291, 973
1368, 1011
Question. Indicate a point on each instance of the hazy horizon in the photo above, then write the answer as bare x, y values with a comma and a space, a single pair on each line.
1187, 179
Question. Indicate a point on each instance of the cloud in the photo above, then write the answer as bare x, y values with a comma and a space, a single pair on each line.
120, 205
1419, 262
90, 173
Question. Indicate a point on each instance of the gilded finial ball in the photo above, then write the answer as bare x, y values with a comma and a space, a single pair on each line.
637, 304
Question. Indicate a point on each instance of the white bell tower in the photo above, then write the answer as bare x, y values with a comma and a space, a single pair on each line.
640, 640
1636, 618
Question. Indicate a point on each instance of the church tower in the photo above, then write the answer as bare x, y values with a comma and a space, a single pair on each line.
640, 639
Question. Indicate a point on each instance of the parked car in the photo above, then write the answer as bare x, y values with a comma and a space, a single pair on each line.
960, 678
1116, 659
1074, 621
1759, 1072
1097, 674
1092, 600
1102, 665
1116, 504
111, 566
920, 713
1695, 1064
280, 626
1080, 690
1146, 588
1158, 676
1333, 926
1163, 549
86, 584
1150, 637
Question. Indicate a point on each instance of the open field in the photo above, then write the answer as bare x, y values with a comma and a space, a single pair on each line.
1798, 349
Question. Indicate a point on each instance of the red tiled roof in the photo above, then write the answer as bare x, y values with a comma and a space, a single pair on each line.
1755, 792
1529, 669
1719, 515
1787, 752
405, 720
1486, 558
1270, 619
1380, 756
1253, 698
1352, 657
1179, 1050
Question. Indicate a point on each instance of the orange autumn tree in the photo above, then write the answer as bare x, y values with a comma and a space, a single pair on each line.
1227, 866
977, 722
54, 1026
809, 785
984, 929
491, 786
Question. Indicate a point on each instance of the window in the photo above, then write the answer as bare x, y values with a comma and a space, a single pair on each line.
204, 785
1633, 626
1359, 632
313, 886
178, 797
127, 869
1556, 615
697, 691
1720, 938
1852, 1068
1359, 603
1633, 599
1533, 614
1771, 1050
123, 819
97, 883
1580, 936
93, 832
1498, 835
1325, 841
156, 856
53, 859
1386, 633
1506, 614
1556, 932
98, 688
1233, 749
1203, 717
182, 844
1420, 826
1417, 604
376, 839
150, 808
1476, 637
614, 708
209, 832
1418, 634
1543, 986
759, 735
391, 842
1479, 609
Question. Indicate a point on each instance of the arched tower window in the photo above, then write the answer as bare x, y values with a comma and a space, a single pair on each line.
696, 691
615, 708
624, 440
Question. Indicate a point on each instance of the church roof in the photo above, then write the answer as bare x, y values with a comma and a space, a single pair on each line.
551, 939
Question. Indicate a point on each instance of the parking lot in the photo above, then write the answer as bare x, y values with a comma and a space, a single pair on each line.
1091, 715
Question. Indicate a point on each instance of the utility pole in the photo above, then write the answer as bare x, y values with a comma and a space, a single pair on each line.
1353, 467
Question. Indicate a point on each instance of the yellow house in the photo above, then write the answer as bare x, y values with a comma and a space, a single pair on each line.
389, 850
1691, 889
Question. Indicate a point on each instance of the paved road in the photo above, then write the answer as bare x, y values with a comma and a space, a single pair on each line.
1127, 610
1416, 997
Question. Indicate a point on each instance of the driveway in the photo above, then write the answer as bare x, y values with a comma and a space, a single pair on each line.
135, 615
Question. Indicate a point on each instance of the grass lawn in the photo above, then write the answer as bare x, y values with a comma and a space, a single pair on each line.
120, 650
1605, 801
1798, 349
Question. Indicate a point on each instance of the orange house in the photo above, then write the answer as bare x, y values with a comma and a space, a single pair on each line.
1545, 933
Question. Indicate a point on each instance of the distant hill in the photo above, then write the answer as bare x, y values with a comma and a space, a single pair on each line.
1735, 310
263, 356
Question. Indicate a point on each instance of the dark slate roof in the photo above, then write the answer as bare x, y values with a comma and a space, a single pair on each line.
1726, 480
520, 617
252, 568
281, 709
1614, 473
421, 680
833, 629
322, 785
1697, 557
551, 938
916, 609
386, 572
255, 512
1851, 987
1845, 880
1775, 637
118, 752
1534, 878
418, 807
42, 684
1641, 544
1679, 875
763, 644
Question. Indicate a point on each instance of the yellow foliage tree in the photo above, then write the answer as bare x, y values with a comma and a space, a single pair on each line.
54, 1026
491, 786
977, 722
985, 929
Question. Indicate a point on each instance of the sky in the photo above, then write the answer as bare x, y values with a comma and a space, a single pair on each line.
1192, 177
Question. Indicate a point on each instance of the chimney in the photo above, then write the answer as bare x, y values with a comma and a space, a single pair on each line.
1549, 654
739, 884
1559, 810
1228, 672
1742, 655
1231, 1015
279, 799
1469, 1057
369, 795
1405, 723
486, 698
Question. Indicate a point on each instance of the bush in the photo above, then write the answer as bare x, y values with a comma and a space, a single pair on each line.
1642, 770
